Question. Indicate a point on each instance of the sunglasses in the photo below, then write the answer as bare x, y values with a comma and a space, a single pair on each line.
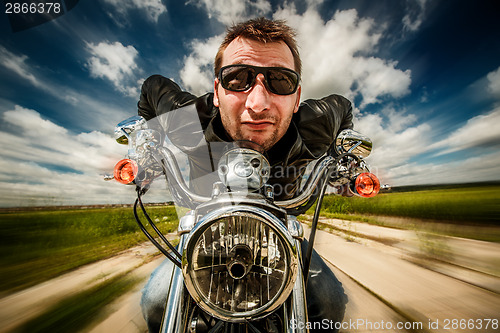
278, 80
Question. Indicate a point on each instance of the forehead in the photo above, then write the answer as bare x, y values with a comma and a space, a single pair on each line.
251, 52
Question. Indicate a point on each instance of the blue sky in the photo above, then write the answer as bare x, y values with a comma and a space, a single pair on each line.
424, 76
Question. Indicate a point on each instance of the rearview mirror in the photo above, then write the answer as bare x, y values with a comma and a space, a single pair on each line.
350, 141
124, 128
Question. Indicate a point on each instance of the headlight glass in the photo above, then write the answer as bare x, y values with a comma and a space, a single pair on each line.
239, 265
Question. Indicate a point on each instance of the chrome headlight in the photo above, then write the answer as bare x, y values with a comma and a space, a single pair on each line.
243, 168
239, 263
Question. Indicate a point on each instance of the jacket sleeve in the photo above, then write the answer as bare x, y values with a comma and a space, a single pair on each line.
320, 120
160, 95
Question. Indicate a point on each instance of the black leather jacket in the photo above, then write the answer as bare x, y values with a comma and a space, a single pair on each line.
311, 133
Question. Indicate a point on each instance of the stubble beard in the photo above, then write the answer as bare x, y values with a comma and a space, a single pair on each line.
268, 141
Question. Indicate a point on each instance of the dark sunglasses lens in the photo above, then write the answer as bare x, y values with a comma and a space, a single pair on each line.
282, 82
237, 78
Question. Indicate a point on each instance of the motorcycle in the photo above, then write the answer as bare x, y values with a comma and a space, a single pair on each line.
238, 264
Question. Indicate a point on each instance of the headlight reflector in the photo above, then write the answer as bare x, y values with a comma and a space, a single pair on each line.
240, 262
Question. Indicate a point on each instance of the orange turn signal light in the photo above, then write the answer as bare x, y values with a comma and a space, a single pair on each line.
367, 185
125, 171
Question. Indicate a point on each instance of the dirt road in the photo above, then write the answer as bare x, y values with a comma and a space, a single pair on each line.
428, 300
391, 287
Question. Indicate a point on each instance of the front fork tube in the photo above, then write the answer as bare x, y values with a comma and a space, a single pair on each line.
296, 323
174, 317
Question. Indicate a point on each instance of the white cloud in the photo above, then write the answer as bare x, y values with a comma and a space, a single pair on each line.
41, 141
474, 169
415, 12
479, 131
85, 110
375, 78
396, 141
17, 64
152, 8
336, 57
26, 118
232, 11
393, 145
43, 163
493, 79
398, 120
197, 75
115, 62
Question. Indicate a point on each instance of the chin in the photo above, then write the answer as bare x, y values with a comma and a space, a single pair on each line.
265, 140
265, 144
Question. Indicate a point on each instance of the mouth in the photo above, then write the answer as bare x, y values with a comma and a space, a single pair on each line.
258, 124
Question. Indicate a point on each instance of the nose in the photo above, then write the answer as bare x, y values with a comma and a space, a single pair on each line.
258, 98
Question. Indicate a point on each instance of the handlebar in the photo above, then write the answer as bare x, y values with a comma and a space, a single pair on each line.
147, 149
181, 190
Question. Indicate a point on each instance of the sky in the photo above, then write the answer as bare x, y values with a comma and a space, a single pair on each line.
424, 77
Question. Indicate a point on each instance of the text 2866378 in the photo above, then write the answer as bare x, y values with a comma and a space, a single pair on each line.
33, 8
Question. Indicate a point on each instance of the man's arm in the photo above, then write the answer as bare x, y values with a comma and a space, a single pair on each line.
341, 109
320, 120
160, 95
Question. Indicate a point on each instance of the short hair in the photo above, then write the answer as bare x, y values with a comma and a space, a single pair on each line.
262, 30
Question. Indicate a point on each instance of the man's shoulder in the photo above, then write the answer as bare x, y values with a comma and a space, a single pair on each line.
312, 109
156, 81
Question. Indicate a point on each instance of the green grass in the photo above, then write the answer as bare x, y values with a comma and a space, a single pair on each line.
77, 312
468, 211
38, 245
468, 205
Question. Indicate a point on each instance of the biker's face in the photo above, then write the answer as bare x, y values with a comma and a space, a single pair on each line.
256, 115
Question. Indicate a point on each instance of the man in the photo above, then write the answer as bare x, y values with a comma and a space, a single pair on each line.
257, 98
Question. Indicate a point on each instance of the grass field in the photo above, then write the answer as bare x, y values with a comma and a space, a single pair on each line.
38, 245
466, 205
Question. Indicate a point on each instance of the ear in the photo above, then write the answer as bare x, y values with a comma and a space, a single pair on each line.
216, 93
297, 102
